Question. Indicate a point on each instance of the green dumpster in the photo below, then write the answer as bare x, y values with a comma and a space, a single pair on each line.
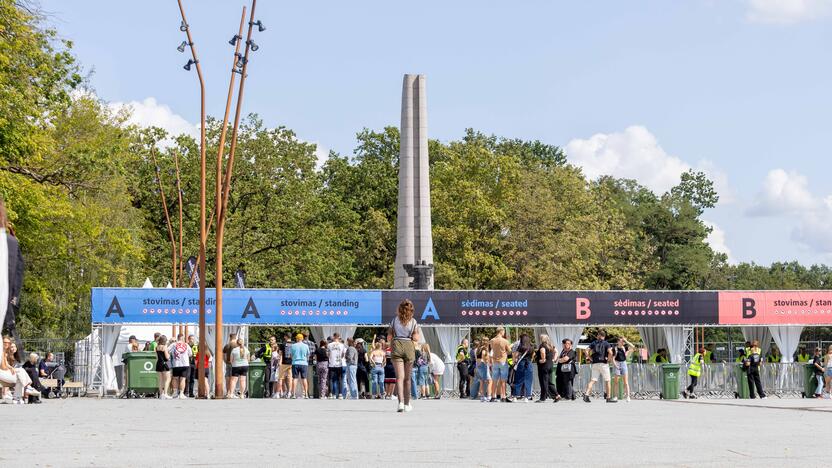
256, 378
141, 373
670, 381
742, 382
810, 383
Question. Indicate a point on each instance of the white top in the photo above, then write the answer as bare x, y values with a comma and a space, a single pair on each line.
336, 354
181, 354
437, 366
237, 360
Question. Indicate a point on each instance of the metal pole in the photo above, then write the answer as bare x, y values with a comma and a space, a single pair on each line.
179, 192
203, 235
219, 375
167, 214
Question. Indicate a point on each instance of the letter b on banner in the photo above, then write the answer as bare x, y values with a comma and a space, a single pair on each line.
582, 311
748, 308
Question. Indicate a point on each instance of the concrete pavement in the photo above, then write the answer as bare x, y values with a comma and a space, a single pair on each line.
91, 432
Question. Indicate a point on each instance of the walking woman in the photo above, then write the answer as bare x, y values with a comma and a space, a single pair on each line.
377, 371
545, 368
163, 366
403, 333
322, 368
566, 370
239, 368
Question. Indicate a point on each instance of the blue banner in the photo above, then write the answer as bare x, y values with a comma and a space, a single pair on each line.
240, 306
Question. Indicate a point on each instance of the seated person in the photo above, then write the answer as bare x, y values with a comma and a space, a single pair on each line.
48, 369
31, 368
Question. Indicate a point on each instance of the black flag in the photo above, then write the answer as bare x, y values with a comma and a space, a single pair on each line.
192, 270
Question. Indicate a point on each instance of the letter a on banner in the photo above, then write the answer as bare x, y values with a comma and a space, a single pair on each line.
115, 308
430, 310
251, 309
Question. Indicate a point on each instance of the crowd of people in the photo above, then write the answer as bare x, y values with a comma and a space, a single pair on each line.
398, 366
20, 381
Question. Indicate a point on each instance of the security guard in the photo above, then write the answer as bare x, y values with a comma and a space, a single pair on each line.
708, 355
265, 353
774, 355
744, 352
694, 371
189, 387
752, 365
659, 357
463, 361
802, 355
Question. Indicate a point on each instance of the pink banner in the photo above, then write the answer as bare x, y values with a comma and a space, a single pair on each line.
775, 307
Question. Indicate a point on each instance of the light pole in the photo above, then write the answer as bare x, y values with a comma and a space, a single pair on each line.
240, 66
203, 235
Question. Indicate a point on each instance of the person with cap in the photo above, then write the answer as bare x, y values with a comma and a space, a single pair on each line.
300, 365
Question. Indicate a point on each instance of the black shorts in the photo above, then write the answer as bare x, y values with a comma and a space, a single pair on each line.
180, 371
299, 371
239, 371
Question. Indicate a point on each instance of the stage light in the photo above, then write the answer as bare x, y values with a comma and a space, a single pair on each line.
253, 46
188, 65
182, 46
234, 39
183, 27
259, 24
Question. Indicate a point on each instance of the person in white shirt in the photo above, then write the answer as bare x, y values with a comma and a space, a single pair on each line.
437, 369
181, 354
336, 366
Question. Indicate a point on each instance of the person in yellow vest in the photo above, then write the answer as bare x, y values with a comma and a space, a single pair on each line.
708, 355
743, 352
801, 355
659, 357
774, 355
752, 364
265, 353
189, 385
694, 372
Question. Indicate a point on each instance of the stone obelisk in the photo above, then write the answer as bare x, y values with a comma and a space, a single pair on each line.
414, 241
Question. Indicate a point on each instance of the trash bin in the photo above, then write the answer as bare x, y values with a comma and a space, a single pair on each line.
617, 390
809, 381
742, 382
141, 373
670, 382
256, 379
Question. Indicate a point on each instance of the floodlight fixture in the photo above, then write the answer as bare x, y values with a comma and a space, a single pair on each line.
183, 27
234, 39
252, 45
182, 46
259, 25
188, 65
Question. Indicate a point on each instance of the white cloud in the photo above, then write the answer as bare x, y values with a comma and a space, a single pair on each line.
636, 154
787, 11
784, 193
150, 113
716, 239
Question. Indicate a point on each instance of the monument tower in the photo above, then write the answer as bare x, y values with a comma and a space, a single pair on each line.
414, 241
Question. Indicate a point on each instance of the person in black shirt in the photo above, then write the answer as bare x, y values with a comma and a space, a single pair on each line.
600, 354
566, 370
545, 357
752, 361
817, 362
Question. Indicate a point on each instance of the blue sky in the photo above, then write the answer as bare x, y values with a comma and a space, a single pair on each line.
644, 89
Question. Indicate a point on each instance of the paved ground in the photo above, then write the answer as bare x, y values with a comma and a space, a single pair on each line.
90, 432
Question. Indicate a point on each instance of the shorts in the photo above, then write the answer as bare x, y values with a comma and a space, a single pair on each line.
829, 372
227, 369
601, 369
241, 371
620, 368
299, 371
180, 371
499, 371
483, 371
422, 375
389, 373
284, 371
403, 350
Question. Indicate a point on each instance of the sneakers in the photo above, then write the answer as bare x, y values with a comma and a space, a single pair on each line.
612, 400
508, 400
408, 408
685, 394
628, 398
30, 391
692, 396
763, 397
275, 396
401, 408
182, 396
586, 399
